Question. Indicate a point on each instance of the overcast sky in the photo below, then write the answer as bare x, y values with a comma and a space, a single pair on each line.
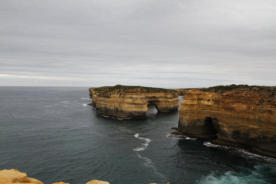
166, 43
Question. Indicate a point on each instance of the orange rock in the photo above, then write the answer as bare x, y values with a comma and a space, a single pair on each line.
97, 182
14, 176
125, 102
244, 117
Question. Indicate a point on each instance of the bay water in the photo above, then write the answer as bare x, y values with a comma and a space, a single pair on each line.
53, 135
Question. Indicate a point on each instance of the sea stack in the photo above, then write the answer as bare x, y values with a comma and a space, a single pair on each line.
236, 115
126, 102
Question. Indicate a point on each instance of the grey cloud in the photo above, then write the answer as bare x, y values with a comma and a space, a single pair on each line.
178, 43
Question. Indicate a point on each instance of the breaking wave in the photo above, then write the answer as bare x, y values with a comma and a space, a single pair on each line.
241, 152
255, 176
147, 161
175, 136
144, 145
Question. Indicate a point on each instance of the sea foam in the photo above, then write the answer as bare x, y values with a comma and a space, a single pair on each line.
147, 161
144, 145
230, 177
241, 152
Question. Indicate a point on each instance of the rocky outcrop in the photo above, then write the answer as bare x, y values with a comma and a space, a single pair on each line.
97, 182
125, 102
13, 176
241, 116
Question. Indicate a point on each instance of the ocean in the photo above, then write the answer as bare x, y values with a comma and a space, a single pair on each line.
53, 135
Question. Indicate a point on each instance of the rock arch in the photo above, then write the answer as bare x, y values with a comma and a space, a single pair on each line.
210, 127
126, 102
152, 110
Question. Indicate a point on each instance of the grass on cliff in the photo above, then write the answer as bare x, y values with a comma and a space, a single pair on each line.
121, 89
221, 88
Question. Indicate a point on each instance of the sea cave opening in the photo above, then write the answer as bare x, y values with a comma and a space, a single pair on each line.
211, 127
152, 110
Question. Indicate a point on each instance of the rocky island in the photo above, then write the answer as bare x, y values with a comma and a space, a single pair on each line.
126, 102
237, 115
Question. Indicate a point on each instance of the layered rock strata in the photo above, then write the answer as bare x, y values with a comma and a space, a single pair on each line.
241, 116
125, 102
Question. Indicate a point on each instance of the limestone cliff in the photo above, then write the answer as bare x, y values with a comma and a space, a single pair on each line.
241, 116
125, 102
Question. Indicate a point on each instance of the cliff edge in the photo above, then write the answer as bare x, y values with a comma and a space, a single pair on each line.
126, 102
241, 116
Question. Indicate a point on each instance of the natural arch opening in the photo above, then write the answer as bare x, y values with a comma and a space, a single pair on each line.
152, 110
211, 127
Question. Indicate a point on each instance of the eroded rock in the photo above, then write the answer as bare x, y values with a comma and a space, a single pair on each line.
237, 116
125, 102
97, 182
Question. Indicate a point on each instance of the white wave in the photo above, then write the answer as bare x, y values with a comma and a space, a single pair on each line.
253, 155
84, 105
230, 177
149, 164
240, 151
190, 138
144, 145
175, 136
211, 145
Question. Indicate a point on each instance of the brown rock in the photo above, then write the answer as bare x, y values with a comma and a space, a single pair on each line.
125, 102
244, 117
14, 176
97, 182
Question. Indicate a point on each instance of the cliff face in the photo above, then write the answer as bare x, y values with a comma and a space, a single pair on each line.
125, 102
242, 117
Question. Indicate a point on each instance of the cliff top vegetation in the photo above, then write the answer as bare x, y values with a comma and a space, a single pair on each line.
121, 89
222, 88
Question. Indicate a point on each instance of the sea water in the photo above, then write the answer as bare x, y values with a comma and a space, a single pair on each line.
53, 135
